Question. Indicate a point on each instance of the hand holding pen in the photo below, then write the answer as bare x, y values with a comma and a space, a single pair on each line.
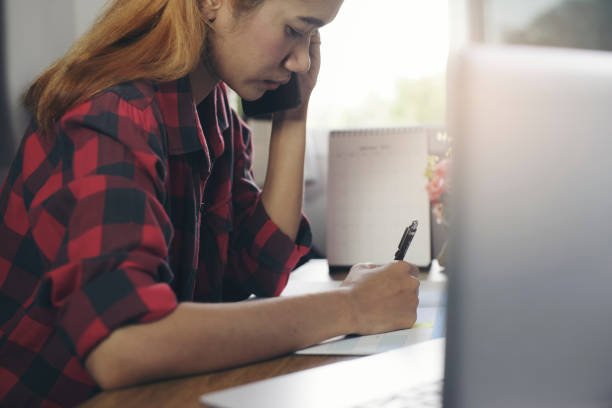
385, 297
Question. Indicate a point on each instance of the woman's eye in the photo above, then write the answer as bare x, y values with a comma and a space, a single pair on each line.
294, 33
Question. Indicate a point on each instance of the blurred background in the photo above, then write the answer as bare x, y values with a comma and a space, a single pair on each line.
384, 64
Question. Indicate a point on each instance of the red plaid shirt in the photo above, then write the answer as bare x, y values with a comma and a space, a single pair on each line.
141, 200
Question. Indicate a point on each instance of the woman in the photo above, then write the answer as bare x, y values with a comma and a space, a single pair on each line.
130, 211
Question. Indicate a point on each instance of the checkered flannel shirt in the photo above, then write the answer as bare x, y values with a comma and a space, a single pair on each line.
141, 200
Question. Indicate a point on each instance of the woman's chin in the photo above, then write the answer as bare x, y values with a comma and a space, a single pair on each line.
252, 94
255, 90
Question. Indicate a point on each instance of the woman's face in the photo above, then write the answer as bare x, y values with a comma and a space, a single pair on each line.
257, 50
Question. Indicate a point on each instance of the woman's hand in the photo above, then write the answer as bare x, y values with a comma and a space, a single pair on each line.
383, 298
307, 81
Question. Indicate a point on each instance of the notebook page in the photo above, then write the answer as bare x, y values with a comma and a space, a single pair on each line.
376, 187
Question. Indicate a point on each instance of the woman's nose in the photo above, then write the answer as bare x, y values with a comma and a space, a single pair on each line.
299, 58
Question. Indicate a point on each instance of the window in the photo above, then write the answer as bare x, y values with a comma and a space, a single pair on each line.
383, 64
559, 23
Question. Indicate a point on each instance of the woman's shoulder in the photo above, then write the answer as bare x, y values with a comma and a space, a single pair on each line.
123, 113
131, 99
139, 92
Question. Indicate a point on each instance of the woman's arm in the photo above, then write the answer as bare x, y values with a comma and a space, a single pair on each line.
199, 337
282, 192
202, 337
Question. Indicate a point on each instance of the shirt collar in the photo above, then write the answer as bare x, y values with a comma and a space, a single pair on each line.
189, 127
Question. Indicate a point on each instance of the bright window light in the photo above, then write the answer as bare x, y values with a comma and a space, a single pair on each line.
383, 64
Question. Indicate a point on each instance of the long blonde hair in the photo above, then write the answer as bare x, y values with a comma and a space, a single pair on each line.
132, 39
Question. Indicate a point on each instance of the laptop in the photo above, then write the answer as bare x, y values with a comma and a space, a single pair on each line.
530, 262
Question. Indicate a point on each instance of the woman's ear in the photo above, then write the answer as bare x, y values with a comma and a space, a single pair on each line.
210, 8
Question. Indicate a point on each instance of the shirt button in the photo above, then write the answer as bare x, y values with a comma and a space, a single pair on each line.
202, 207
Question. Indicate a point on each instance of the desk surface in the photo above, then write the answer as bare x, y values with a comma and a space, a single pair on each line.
184, 392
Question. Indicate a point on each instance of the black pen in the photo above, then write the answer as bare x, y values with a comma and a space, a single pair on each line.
406, 240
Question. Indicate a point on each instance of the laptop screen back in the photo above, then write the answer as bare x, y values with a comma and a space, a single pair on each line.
531, 245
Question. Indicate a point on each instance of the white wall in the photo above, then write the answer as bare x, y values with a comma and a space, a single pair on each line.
37, 33
85, 12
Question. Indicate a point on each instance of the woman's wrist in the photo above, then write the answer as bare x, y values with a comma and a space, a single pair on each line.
289, 123
351, 319
298, 114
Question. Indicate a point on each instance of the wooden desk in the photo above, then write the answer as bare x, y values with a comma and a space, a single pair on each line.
184, 392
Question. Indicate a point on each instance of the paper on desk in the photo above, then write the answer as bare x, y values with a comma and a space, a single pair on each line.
422, 330
429, 325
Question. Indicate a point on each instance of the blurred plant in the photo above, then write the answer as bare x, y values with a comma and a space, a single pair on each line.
438, 176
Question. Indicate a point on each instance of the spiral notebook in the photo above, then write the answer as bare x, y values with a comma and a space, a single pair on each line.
376, 187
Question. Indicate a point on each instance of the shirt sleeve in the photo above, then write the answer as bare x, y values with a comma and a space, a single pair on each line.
111, 264
263, 256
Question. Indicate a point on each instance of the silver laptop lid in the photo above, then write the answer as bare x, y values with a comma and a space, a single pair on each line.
345, 384
531, 249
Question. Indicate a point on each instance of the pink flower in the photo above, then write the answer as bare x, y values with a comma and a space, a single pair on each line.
435, 188
442, 169
438, 180
438, 174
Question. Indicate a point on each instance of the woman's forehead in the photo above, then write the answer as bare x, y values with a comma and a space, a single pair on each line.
314, 12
